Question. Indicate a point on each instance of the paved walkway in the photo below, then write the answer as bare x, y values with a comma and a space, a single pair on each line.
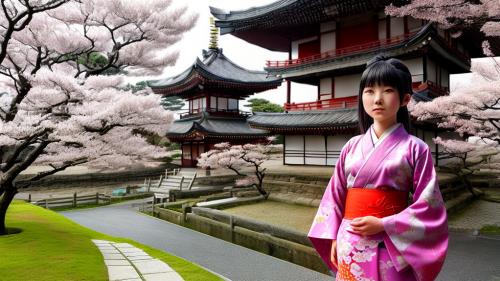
469, 257
478, 214
230, 261
128, 263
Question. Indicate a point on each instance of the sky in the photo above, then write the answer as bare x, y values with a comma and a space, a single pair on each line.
239, 51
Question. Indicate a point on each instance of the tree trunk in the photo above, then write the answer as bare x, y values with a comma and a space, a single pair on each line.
260, 186
468, 185
5, 200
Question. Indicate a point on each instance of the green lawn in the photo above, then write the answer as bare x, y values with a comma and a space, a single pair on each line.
51, 247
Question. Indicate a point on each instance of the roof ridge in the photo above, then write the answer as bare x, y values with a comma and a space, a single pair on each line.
222, 14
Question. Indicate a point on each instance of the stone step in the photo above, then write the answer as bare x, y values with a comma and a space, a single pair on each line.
459, 202
452, 192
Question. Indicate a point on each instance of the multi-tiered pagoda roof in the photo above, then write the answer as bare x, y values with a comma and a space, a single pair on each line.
215, 71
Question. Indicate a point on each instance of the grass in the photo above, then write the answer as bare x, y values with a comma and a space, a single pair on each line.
490, 229
277, 213
52, 247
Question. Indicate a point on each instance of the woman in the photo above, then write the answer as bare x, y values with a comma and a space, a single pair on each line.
382, 216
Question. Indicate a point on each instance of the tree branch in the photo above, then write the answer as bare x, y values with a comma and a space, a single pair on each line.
41, 175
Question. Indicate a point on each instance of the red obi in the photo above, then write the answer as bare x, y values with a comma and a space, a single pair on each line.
361, 202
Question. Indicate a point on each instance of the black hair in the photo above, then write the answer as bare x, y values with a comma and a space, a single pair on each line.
388, 72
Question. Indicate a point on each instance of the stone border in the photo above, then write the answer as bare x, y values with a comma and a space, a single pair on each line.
128, 263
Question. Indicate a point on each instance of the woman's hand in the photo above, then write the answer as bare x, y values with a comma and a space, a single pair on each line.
368, 225
333, 253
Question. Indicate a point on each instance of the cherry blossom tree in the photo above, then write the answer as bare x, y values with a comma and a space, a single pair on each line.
62, 101
473, 111
238, 157
455, 15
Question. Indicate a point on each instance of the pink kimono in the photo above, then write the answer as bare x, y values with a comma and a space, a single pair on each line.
414, 243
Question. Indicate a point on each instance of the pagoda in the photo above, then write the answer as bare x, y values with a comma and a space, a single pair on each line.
213, 87
328, 44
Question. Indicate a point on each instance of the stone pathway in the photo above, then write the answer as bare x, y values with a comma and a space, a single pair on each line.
128, 263
476, 215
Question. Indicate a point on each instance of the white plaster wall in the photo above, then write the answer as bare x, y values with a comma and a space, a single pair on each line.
315, 150
328, 42
335, 144
325, 85
382, 29
445, 78
397, 27
295, 143
416, 68
347, 86
431, 70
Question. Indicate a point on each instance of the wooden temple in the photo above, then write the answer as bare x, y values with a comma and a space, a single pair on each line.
213, 87
329, 43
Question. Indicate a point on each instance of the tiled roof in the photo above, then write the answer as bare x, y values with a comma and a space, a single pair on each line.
216, 67
214, 126
324, 119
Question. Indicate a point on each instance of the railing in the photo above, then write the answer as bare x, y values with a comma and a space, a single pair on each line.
348, 102
215, 112
384, 43
74, 201
361, 48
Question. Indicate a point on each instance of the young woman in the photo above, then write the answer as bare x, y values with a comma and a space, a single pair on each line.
382, 216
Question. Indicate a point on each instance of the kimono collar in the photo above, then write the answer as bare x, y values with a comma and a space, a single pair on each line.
376, 141
374, 155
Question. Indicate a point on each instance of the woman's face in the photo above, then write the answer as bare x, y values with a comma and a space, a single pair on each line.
382, 103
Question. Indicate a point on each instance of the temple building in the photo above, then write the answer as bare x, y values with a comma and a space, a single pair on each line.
213, 87
328, 44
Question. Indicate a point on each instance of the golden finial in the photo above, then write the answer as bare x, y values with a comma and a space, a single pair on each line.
214, 35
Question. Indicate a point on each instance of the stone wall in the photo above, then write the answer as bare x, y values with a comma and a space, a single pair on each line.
250, 234
82, 180
302, 190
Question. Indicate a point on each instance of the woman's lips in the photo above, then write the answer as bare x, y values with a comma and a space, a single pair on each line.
378, 109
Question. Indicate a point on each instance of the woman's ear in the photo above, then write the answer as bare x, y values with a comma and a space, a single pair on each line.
406, 99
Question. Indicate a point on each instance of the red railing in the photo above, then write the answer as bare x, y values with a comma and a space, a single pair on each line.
351, 50
347, 102
384, 43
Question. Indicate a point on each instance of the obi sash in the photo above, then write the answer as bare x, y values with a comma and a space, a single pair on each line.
361, 202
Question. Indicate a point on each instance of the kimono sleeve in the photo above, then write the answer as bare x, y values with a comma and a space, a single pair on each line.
418, 236
327, 221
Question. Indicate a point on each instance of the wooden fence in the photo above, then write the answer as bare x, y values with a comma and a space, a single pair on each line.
74, 201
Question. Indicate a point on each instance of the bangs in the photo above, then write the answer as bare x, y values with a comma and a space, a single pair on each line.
382, 74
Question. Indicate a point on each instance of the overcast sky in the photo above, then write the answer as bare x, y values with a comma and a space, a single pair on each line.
244, 54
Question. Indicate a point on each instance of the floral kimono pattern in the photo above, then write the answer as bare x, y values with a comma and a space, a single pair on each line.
414, 242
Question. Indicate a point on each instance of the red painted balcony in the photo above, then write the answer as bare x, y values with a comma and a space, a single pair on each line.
351, 50
357, 49
347, 102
